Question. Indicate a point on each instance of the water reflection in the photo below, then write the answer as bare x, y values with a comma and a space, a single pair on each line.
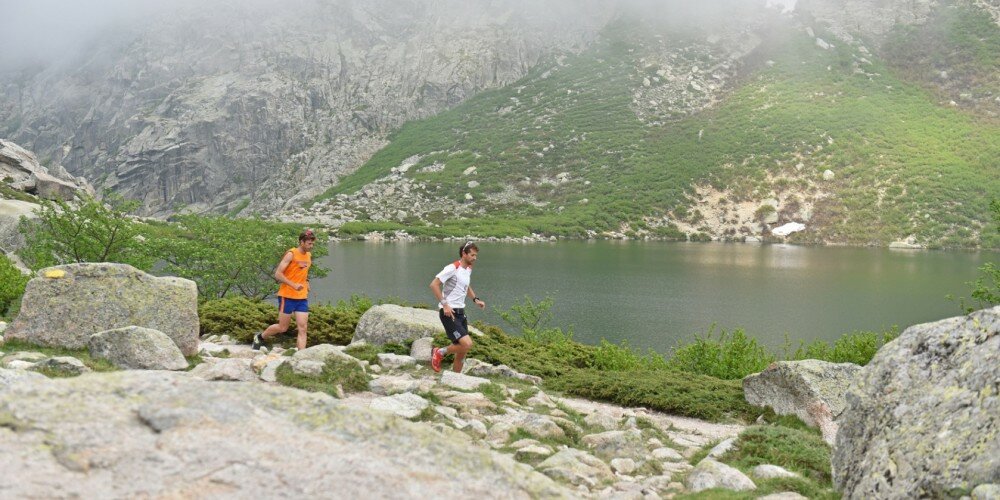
654, 294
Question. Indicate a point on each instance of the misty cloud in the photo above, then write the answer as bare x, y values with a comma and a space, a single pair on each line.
43, 31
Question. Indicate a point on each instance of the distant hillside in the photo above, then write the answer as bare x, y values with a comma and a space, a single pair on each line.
709, 132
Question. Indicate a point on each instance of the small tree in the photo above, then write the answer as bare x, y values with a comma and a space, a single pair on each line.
87, 231
227, 256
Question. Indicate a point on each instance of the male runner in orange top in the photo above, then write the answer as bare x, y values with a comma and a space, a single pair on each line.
293, 275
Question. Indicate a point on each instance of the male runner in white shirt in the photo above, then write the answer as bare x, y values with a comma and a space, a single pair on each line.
450, 288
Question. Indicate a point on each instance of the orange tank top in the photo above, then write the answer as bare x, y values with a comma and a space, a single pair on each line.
297, 271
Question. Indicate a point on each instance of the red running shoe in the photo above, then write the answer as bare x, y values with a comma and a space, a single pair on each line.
436, 358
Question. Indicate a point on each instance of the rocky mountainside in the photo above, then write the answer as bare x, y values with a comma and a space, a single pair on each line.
227, 105
866, 122
807, 127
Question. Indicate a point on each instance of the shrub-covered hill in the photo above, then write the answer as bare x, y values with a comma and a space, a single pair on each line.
678, 133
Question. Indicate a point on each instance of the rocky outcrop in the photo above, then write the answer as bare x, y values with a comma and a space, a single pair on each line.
212, 105
19, 168
389, 323
67, 304
138, 433
924, 421
810, 389
137, 348
631, 464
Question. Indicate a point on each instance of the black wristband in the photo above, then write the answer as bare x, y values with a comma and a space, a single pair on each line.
474, 299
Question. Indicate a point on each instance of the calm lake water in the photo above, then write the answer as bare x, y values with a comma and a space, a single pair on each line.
654, 294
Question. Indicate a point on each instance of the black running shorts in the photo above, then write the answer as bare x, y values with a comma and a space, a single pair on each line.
454, 328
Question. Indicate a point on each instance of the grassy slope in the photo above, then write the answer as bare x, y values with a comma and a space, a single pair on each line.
904, 165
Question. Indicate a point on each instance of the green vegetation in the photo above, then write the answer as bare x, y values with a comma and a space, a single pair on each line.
222, 255
346, 374
674, 392
12, 284
726, 357
226, 256
903, 163
799, 450
986, 288
7, 192
959, 39
89, 231
856, 347
241, 318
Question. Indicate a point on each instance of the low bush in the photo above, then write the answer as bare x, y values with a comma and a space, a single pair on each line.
727, 357
857, 347
673, 392
796, 450
241, 318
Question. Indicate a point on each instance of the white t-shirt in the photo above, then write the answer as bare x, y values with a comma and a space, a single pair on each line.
455, 283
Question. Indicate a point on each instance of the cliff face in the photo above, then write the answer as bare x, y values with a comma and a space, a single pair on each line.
261, 104
258, 106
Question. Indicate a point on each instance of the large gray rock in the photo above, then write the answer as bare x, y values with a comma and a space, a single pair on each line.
711, 474
83, 299
924, 421
167, 434
137, 348
406, 405
810, 389
323, 353
462, 381
66, 365
389, 323
612, 444
225, 369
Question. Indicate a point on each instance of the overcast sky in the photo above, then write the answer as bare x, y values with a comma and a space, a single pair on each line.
43, 30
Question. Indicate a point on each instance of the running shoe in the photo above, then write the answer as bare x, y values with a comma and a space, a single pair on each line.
436, 358
258, 341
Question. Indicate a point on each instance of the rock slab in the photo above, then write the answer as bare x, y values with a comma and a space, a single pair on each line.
392, 324
925, 419
67, 304
169, 435
711, 474
810, 389
137, 348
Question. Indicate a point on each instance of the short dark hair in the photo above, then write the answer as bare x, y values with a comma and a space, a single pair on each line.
466, 248
307, 234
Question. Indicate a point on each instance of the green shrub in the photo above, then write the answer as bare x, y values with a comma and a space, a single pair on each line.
857, 347
796, 450
728, 357
614, 357
364, 352
348, 374
673, 392
241, 318
12, 284
238, 317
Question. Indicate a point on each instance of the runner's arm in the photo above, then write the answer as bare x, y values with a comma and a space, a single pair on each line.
475, 300
436, 290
